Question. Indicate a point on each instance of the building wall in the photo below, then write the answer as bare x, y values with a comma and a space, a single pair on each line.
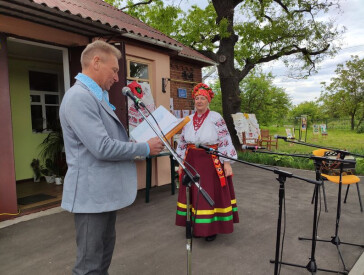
26, 143
7, 170
16, 117
40, 32
159, 69
177, 68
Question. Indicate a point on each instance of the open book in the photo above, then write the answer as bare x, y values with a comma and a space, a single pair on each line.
169, 124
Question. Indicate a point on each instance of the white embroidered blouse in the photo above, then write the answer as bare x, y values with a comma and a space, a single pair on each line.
212, 131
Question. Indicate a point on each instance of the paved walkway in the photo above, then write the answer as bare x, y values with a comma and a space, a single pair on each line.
148, 242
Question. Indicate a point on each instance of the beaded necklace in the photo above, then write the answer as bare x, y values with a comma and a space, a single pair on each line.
197, 121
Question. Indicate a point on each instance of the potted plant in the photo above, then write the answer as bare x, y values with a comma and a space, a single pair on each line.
48, 171
36, 169
58, 180
52, 152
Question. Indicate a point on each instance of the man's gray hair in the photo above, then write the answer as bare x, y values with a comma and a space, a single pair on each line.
96, 47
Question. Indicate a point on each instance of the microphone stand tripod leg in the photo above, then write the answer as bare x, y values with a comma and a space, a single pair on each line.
276, 262
188, 227
188, 232
335, 239
311, 266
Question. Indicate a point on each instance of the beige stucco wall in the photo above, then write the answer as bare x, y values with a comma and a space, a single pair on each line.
160, 69
39, 32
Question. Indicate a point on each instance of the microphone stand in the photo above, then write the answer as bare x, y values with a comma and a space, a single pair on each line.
311, 266
334, 239
188, 180
282, 176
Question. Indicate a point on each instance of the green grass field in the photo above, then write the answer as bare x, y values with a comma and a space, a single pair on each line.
340, 139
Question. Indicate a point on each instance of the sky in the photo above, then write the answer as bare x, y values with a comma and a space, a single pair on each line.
352, 17
353, 44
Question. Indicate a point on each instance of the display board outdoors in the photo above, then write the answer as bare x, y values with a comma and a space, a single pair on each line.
246, 123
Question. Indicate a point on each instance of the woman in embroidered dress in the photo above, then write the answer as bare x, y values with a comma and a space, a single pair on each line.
208, 128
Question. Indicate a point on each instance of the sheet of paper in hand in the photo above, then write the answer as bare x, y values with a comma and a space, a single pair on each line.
169, 124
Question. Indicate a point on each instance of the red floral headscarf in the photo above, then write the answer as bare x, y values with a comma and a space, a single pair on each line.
204, 90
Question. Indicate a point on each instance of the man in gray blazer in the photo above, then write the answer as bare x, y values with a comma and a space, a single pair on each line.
101, 176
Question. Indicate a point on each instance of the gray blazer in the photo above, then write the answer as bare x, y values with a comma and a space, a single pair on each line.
101, 174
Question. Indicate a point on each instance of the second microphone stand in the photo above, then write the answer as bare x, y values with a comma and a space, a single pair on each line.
282, 176
334, 239
188, 180
311, 266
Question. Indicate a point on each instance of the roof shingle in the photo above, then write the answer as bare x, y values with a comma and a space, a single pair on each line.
102, 12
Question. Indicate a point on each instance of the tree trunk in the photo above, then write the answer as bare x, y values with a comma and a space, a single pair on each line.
230, 105
352, 122
228, 75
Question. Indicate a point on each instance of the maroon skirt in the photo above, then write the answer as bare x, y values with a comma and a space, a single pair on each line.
207, 220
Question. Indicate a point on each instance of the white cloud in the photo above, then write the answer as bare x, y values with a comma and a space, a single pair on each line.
353, 44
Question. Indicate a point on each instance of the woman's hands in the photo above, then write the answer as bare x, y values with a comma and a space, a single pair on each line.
227, 169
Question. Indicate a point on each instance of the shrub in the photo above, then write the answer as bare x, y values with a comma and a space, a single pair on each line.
277, 160
360, 129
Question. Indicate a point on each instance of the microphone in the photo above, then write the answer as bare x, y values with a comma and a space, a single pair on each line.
127, 92
247, 147
206, 148
283, 137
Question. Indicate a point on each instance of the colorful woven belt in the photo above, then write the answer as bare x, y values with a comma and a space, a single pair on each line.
215, 161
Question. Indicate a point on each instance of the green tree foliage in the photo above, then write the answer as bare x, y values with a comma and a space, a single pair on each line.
344, 96
310, 108
260, 97
216, 102
240, 35
167, 19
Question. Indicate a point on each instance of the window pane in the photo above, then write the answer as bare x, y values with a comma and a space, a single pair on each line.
51, 99
34, 98
52, 117
138, 70
39, 81
37, 118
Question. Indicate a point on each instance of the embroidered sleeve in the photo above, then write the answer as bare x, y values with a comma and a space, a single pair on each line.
181, 145
225, 144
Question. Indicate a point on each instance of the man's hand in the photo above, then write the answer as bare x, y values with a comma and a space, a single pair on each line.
155, 146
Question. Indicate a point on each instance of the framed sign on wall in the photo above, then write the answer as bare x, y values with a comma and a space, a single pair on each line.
182, 92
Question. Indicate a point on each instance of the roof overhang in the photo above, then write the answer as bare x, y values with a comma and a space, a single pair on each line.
50, 13
52, 17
